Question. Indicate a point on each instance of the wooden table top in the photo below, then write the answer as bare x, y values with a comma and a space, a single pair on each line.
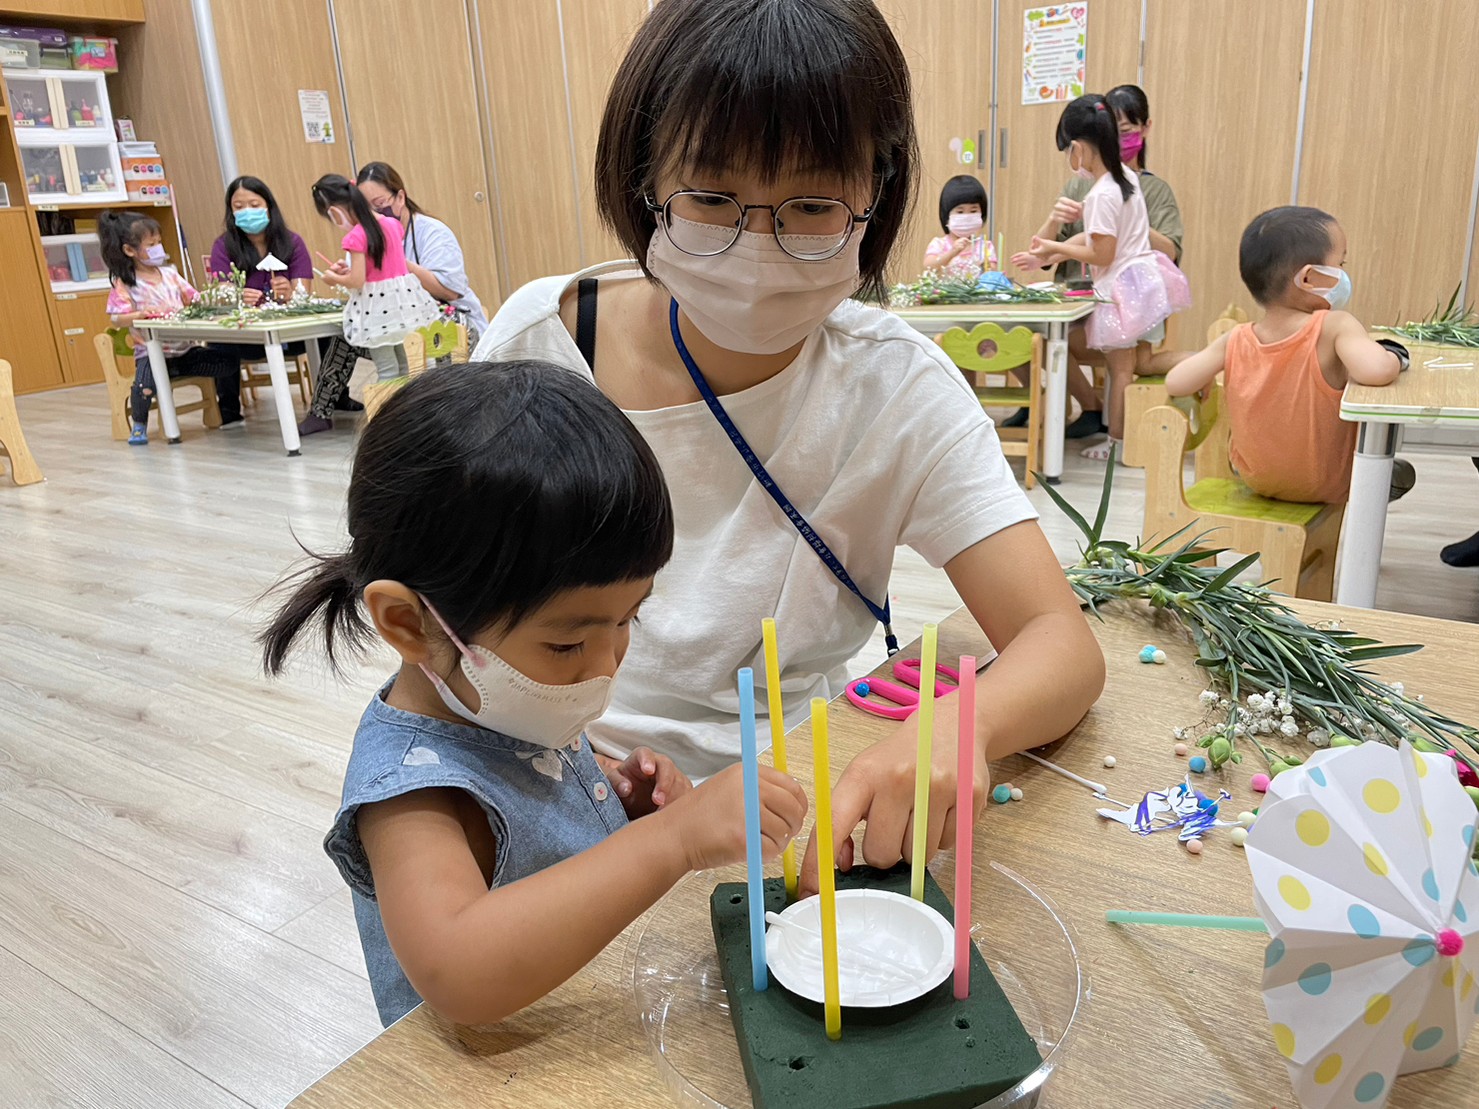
932, 318
1174, 1017
1441, 387
287, 329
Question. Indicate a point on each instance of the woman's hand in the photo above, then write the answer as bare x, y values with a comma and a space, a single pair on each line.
709, 821
251, 297
282, 288
1026, 260
645, 781
1067, 210
878, 786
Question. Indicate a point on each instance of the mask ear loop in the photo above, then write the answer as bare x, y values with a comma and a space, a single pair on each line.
472, 656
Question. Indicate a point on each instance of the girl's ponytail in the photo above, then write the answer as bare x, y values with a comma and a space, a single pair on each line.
335, 190
1090, 119
323, 591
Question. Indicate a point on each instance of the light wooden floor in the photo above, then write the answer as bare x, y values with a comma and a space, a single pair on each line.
171, 933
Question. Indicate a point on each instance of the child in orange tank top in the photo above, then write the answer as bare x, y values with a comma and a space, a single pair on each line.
1283, 376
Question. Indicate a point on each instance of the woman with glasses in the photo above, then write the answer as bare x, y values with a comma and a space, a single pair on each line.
758, 159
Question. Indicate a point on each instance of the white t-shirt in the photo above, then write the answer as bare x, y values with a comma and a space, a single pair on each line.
1107, 212
876, 439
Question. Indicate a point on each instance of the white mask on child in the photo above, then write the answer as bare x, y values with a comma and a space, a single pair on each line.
963, 224
1339, 294
514, 704
1079, 170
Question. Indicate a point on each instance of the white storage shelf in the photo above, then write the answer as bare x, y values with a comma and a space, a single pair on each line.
58, 105
75, 173
74, 263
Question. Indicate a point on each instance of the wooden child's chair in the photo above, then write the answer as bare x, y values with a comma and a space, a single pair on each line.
1145, 393
1296, 542
986, 349
117, 357
23, 468
255, 376
442, 339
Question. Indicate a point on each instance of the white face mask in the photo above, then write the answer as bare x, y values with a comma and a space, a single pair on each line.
1078, 170
517, 706
1339, 294
754, 298
965, 223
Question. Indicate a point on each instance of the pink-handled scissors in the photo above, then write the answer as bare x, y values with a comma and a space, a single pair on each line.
898, 702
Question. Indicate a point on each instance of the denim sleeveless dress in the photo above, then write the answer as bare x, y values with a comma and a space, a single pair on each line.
542, 805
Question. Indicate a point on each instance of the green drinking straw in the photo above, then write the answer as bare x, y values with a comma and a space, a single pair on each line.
1188, 920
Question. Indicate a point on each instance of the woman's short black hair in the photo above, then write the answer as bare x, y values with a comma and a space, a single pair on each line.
334, 190
489, 489
768, 87
1278, 244
239, 248
1131, 102
961, 189
1089, 119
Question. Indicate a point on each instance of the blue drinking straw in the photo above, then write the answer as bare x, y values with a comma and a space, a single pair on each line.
755, 876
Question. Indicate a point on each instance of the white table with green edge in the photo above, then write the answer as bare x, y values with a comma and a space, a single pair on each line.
1439, 389
271, 333
1054, 318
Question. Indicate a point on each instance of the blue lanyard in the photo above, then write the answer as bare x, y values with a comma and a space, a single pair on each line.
767, 483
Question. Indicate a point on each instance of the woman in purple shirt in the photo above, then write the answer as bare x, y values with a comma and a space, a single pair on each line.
255, 228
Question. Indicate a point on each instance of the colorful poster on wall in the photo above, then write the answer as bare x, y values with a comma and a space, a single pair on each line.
313, 106
1054, 46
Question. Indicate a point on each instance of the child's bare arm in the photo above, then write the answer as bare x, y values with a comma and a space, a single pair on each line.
354, 277
1094, 250
478, 955
1364, 360
1197, 372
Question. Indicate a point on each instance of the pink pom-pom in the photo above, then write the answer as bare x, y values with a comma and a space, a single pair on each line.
1450, 943
1260, 783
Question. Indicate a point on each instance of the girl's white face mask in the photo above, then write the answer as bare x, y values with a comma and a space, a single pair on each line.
754, 298
515, 705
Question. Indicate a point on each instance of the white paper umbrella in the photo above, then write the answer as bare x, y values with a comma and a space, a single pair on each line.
1362, 870
272, 264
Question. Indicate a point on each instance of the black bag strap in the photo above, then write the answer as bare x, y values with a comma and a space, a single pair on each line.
585, 320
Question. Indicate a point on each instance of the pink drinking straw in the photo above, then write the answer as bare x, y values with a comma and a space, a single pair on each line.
965, 809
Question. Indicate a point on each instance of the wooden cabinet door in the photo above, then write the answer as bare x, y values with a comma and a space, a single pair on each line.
26, 339
1031, 171
80, 316
427, 129
948, 45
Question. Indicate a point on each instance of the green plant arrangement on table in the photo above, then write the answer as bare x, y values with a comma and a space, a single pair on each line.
223, 302
1270, 672
933, 287
1455, 326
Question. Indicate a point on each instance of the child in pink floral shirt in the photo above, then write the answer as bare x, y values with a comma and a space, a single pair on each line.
964, 250
145, 285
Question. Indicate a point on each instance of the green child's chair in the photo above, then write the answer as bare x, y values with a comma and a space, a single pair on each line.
987, 350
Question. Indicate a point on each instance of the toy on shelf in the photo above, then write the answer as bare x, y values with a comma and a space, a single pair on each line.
27, 113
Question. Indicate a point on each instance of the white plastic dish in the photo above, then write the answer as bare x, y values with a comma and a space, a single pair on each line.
890, 949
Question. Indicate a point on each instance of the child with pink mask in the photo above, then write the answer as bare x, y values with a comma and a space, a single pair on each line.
965, 249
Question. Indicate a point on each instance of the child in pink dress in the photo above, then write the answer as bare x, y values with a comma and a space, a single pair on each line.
964, 250
1139, 287
386, 301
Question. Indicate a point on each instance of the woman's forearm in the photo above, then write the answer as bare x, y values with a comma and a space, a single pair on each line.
431, 283
1163, 244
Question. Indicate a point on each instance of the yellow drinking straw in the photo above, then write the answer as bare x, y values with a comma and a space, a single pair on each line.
922, 758
826, 867
778, 735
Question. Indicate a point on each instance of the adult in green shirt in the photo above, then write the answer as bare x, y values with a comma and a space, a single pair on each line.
1132, 113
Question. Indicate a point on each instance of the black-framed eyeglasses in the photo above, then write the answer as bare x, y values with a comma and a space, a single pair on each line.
808, 228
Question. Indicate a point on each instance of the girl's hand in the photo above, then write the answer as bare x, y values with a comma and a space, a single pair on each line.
332, 277
339, 266
1067, 210
878, 786
251, 297
645, 781
709, 821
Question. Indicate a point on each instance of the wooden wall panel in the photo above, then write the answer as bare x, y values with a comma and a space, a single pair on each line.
432, 138
1035, 170
159, 86
1389, 145
948, 45
1228, 157
596, 36
534, 187
262, 97
76, 12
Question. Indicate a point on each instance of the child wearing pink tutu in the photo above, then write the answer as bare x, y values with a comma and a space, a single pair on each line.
1140, 287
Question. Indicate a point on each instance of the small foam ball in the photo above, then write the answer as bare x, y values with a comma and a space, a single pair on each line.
1016, 794
1450, 943
1240, 837
1159, 658
1198, 764
1180, 749
1260, 782
1193, 847
864, 689
1205, 802
1109, 761
1001, 794
1246, 819
1147, 653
